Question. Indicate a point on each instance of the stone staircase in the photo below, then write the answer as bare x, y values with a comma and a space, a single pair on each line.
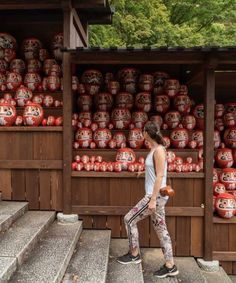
35, 248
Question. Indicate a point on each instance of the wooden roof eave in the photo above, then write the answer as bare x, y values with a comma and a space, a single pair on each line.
153, 56
50, 4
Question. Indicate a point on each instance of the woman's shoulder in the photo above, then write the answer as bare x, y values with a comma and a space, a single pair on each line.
159, 149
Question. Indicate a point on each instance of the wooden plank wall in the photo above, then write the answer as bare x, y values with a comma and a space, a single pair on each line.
225, 241
186, 231
30, 168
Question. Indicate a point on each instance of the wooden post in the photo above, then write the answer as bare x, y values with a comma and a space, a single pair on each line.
209, 107
72, 30
67, 107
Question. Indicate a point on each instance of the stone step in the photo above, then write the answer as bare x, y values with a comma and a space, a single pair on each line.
9, 212
233, 278
20, 239
90, 260
216, 277
189, 272
50, 258
119, 273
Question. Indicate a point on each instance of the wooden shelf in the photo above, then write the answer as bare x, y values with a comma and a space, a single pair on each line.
31, 129
34, 92
94, 174
141, 150
48, 111
220, 220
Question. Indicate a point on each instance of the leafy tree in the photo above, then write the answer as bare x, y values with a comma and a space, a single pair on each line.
168, 22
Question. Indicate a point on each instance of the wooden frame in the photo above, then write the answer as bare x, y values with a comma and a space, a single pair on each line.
207, 62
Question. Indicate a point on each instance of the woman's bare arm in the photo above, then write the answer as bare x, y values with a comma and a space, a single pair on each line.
159, 159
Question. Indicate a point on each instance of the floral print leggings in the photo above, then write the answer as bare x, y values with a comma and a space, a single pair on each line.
141, 211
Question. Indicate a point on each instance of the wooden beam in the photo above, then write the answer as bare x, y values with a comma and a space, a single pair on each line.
209, 108
173, 175
224, 256
31, 164
67, 107
79, 28
136, 57
30, 129
49, 4
122, 210
29, 5
89, 4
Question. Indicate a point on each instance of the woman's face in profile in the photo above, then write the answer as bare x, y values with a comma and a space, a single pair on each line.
146, 136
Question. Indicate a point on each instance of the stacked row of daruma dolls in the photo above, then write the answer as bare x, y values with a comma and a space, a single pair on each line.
26, 74
112, 112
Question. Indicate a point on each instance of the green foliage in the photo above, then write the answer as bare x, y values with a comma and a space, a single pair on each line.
168, 22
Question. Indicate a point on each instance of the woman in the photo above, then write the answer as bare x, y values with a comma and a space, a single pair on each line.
152, 204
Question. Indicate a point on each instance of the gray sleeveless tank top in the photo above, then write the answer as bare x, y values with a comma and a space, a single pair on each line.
150, 174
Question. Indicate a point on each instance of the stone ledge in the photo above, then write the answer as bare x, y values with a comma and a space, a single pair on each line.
67, 218
209, 266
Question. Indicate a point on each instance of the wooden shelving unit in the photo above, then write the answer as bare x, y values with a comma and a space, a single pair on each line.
31, 129
124, 174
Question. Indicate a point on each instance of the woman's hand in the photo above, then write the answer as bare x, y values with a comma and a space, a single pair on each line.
152, 205
140, 173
